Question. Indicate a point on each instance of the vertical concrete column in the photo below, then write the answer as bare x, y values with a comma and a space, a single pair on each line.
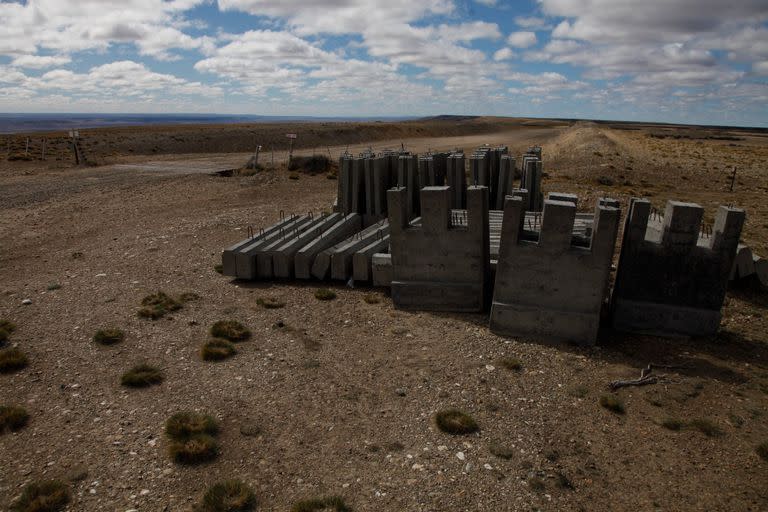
609, 201
682, 222
561, 196
358, 186
423, 172
478, 226
557, 224
604, 230
637, 221
457, 180
380, 185
727, 230
511, 224
435, 209
397, 208
506, 180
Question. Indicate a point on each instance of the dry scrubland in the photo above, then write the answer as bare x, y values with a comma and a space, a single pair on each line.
337, 400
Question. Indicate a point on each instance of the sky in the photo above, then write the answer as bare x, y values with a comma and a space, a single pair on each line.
687, 61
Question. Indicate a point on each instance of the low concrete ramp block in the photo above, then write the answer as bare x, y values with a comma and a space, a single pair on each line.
743, 264
306, 255
551, 289
336, 261
381, 265
229, 255
361, 261
245, 259
282, 257
673, 282
761, 270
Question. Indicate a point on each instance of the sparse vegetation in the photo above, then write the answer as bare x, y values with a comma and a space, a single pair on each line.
141, 376
579, 391
231, 330
219, 268
612, 403
191, 436
330, 503
218, 350
706, 427
501, 451
53, 286
371, 298
270, 303
13, 418
509, 363
6, 328
605, 180
325, 294
108, 336
228, 496
762, 450
45, 496
672, 424
536, 484
158, 305
563, 481
455, 422
310, 164
189, 297
12, 359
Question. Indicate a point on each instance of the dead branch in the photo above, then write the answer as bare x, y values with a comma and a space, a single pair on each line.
645, 376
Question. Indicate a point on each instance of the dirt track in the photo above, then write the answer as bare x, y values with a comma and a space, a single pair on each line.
344, 398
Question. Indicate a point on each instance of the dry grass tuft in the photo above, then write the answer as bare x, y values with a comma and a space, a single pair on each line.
501, 451
158, 305
706, 427
109, 336
613, 404
186, 424
231, 330
270, 303
228, 496
455, 422
191, 437
325, 294
330, 503
142, 376
217, 350
12, 360
189, 297
510, 363
672, 424
46, 496
762, 450
193, 450
13, 418
6, 328
371, 298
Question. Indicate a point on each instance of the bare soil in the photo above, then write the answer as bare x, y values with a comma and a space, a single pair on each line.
341, 399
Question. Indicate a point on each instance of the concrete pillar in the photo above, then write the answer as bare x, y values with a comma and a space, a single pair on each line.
682, 223
557, 224
435, 209
397, 207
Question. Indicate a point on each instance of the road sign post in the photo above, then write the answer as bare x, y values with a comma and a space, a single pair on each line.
291, 136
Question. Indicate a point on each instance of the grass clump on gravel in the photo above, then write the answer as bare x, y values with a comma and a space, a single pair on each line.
217, 350
189, 297
231, 330
109, 336
270, 303
613, 404
325, 294
191, 436
500, 450
672, 424
228, 496
762, 450
510, 363
12, 359
6, 328
13, 418
158, 305
329, 503
142, 376
371, 298
45, 496
706, 427
455, 422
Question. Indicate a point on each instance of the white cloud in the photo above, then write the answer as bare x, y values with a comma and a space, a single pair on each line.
522, 39
532, 22
40, 61
503, 54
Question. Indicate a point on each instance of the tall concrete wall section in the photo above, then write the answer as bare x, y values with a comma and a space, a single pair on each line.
457, 179
549, 288
480, 168
531, 181
440, 265
671, 280
408, 177
344, 178
506, 181
357, 193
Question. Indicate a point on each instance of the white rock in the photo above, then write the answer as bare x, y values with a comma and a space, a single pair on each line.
487, 466
27, 302
490, 367
144, 492
460, 455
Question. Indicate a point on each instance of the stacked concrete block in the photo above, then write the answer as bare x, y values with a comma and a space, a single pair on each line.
671, 280
344, 184
381, 270
549, 288
336, 261
278, 260
457, 179
229, 255
362, 270
505, 181
480, 168
531, 181
438, 266
432, 169
357, 193
408, 177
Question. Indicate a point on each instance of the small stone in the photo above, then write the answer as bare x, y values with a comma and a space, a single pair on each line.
460, 455
490, 367
468, 467
27, 302
400, 391
487, 466
144, 492
250, 429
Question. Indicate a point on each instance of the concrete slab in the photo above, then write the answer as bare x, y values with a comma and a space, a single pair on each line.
304, 258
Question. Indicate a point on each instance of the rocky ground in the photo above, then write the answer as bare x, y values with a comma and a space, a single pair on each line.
340, 399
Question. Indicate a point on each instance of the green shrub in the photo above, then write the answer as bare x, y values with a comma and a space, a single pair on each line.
270, 303
231, 330
501, 451
193, 450
509, 363
109, 336
183, 425
612, 403
141, 376
228, 496
371, 298
330, 503
217, 350
453, 421
46, 496
325, 294
762, 450
13, 418
672, 424
12, 359
158, 305
706, 427
6, 328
